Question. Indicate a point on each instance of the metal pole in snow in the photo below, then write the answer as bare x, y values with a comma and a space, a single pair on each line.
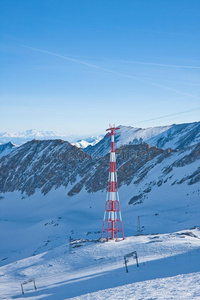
125, 261
136, 257
34, 285
138, 226
70, 245
22, 289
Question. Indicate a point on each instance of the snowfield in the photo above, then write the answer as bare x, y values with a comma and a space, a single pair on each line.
34, 243
169, 268
162, 288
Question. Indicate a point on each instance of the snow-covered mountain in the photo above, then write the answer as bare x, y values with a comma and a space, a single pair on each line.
22, 137
176, 136
173, 136
91, 141
5, 149
19, 138
144, 174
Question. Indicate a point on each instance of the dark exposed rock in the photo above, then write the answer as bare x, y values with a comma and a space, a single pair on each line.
193, 178
51, 164
142, 174
43, 165
147, 190
136, 198
159, 183
188, 233
188, 159
76, 189
167, 170
165, 154
174, 182
129, 159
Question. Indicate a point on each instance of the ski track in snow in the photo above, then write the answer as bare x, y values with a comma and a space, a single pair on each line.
169, 269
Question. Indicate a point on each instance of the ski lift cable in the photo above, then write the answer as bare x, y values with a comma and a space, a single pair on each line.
169, 115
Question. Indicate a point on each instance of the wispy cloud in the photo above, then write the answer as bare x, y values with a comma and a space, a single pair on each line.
156, 64
110, 71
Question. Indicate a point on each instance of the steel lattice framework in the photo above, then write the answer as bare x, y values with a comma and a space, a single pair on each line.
112, 222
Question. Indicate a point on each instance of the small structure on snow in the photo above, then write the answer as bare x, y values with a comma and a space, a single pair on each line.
26, 282
132, 254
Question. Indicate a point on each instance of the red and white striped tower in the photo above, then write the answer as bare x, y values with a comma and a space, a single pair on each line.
112, 222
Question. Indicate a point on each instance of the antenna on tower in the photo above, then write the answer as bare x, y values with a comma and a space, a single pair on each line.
112, 222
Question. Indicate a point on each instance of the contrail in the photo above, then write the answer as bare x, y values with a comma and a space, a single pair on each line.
71, 59
170, 115
109, 71
180, 82
156, 64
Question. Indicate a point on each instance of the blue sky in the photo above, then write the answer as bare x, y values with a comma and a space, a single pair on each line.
75, 66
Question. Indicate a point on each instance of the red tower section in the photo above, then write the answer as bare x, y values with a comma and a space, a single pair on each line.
112, 222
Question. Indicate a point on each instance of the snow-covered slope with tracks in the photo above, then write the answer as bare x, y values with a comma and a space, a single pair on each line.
87, 269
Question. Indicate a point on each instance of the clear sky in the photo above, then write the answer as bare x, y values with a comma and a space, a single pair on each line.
77, 65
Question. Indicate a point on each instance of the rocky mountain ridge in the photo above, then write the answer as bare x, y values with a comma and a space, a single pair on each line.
177, 136
42, 165
5, 149
47, 165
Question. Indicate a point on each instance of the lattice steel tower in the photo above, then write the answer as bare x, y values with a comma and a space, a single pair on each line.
112, 222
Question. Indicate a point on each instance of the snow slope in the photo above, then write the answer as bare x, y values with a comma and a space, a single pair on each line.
5, 149
91, 141
173, 136
168, 269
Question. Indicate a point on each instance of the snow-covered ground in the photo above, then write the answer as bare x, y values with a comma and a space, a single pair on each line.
34, 239
169, 268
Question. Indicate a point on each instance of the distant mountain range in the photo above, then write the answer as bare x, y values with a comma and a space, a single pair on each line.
47, 164
176, 136
19, 138
50, 164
